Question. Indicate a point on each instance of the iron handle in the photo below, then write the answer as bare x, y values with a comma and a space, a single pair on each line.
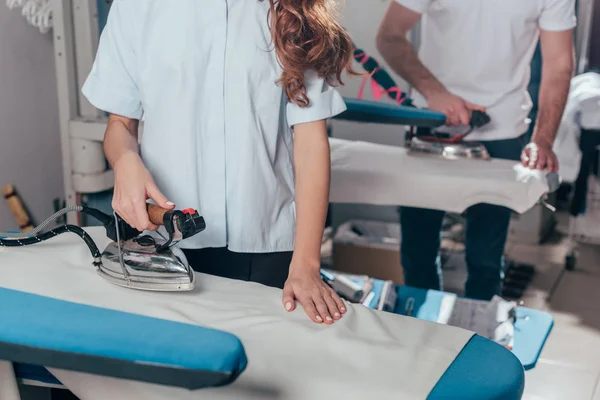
156, 214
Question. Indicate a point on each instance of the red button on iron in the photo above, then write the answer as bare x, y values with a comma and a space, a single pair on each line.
189, 211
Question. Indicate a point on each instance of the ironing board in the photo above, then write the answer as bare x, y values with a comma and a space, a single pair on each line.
46, 277
369, 173
532, 330
503, 378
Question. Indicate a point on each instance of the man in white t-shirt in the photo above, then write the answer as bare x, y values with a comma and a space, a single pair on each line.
476, 55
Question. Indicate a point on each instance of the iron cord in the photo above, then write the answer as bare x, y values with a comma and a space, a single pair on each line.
99, 215
53, 233
17, 239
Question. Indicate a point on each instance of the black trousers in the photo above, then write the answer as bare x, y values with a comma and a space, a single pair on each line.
270, 269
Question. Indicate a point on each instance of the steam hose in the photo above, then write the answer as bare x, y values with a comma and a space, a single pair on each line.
12, 239
100, 216
53, 233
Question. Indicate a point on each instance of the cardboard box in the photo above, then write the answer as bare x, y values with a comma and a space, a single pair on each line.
369, 248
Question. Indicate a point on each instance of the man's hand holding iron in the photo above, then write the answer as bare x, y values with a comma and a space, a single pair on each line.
457, 110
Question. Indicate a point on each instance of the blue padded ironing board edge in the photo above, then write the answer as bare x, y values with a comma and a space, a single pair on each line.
61, 334
368, 111
504, 377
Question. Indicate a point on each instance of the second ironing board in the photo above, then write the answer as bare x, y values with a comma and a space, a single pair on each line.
368, 173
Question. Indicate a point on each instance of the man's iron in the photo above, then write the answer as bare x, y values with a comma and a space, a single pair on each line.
133, 260
425, 142
451, 151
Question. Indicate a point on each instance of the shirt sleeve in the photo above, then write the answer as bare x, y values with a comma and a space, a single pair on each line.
418, 6
111, 85
324, 102
558, 15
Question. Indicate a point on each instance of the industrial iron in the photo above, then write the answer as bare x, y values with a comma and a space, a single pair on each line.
134, 259
427, 142
421, 139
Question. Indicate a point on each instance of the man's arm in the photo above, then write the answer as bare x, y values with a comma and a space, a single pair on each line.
398, 52
557, 70
558, 57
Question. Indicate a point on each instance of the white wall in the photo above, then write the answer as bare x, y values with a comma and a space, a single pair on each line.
30, 155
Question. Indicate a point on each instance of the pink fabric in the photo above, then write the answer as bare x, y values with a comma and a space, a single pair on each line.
376, 89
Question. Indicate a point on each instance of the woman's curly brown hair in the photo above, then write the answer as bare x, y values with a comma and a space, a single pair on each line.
306, 35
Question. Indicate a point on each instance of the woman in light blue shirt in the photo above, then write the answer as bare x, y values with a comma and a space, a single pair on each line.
234, 95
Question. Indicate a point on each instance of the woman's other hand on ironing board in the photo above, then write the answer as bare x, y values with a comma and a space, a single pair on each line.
457, 110
133, 183
312, 165
321, 303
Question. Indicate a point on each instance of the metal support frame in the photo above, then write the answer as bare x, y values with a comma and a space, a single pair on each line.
85, 25
82, 126
64, 55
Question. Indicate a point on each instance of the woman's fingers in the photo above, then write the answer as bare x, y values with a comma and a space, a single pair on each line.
320, 302
124, 211
135, 215
331, 304
338, 301
311, 310
160, 199
289, 303
140, 210
322, 308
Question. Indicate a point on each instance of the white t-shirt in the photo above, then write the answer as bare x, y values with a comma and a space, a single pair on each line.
481, 50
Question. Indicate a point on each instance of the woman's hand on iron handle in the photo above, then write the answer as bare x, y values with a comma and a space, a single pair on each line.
133, 186
321, 303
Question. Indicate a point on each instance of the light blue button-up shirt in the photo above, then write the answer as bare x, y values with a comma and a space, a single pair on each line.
217, 128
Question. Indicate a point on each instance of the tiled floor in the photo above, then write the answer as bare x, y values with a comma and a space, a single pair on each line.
569, 366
